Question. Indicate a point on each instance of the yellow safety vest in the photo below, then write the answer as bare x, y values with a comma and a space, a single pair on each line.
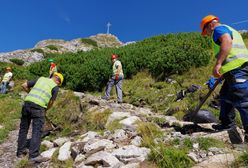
238, 54
41, 93
115, 68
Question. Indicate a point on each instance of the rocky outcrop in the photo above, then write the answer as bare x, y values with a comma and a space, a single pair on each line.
60, 46
26, 55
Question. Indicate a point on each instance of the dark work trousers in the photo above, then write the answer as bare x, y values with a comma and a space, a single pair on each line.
34, 113
3, 87
118, 87
234, 94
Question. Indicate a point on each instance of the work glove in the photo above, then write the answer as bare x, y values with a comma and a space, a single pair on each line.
211, 82
116, 77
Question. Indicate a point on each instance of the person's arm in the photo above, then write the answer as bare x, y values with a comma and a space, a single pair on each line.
225, 48
55, 91
28, 84
25, 87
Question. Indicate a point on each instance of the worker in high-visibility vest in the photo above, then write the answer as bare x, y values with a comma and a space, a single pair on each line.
41, 96
6, 80
232, 65
116, 79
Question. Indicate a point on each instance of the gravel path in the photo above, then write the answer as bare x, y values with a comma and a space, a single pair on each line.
8, 157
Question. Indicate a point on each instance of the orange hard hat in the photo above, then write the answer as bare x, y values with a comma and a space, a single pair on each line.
205, 20
114, 56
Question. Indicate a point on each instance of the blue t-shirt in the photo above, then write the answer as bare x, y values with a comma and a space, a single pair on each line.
219, 31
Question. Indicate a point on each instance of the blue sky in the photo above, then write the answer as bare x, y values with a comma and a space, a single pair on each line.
26, 22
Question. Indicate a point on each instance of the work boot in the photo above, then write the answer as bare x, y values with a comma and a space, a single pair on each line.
38, 159
221, 127
22, 153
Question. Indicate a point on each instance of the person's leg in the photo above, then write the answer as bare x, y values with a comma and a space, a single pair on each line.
238, 88
38, 120
227, 112
23, 131
108, 88
4, 87
118, 87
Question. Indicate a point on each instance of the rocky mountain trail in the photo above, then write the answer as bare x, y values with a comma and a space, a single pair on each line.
122, 147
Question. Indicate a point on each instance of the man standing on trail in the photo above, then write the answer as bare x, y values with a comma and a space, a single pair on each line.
231, 65
6, 79
53, 67
116, 79
39, 99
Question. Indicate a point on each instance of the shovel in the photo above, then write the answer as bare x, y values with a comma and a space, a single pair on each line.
193, 115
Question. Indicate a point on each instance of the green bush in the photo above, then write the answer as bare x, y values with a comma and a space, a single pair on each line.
161, 55
52, 47
177, 58
245, 35
89, 41
39, 50
17, 61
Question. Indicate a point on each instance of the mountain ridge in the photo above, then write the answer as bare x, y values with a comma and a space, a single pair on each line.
39, 51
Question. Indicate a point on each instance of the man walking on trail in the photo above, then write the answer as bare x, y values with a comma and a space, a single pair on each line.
53, 67
231, 65
39, 99
116, 79
6, 79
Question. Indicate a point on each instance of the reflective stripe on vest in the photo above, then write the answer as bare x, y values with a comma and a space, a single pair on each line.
41, 93
238, 54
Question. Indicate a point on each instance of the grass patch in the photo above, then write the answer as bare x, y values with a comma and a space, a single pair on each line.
9, 113
148, 131
114, 125
242, 160
96, 120
22, 163
158, 120
169, 157
67, 113
206, 143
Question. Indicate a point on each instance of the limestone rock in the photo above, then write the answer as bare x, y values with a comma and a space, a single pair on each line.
61, 141
131, 153
220, 161
49, 153
104, 158
48, 144
117, 116
130, 122
97, 145
64, 152
119, 135
89, 135
136, 141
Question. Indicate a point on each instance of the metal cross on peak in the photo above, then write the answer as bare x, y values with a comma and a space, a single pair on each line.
108, 26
